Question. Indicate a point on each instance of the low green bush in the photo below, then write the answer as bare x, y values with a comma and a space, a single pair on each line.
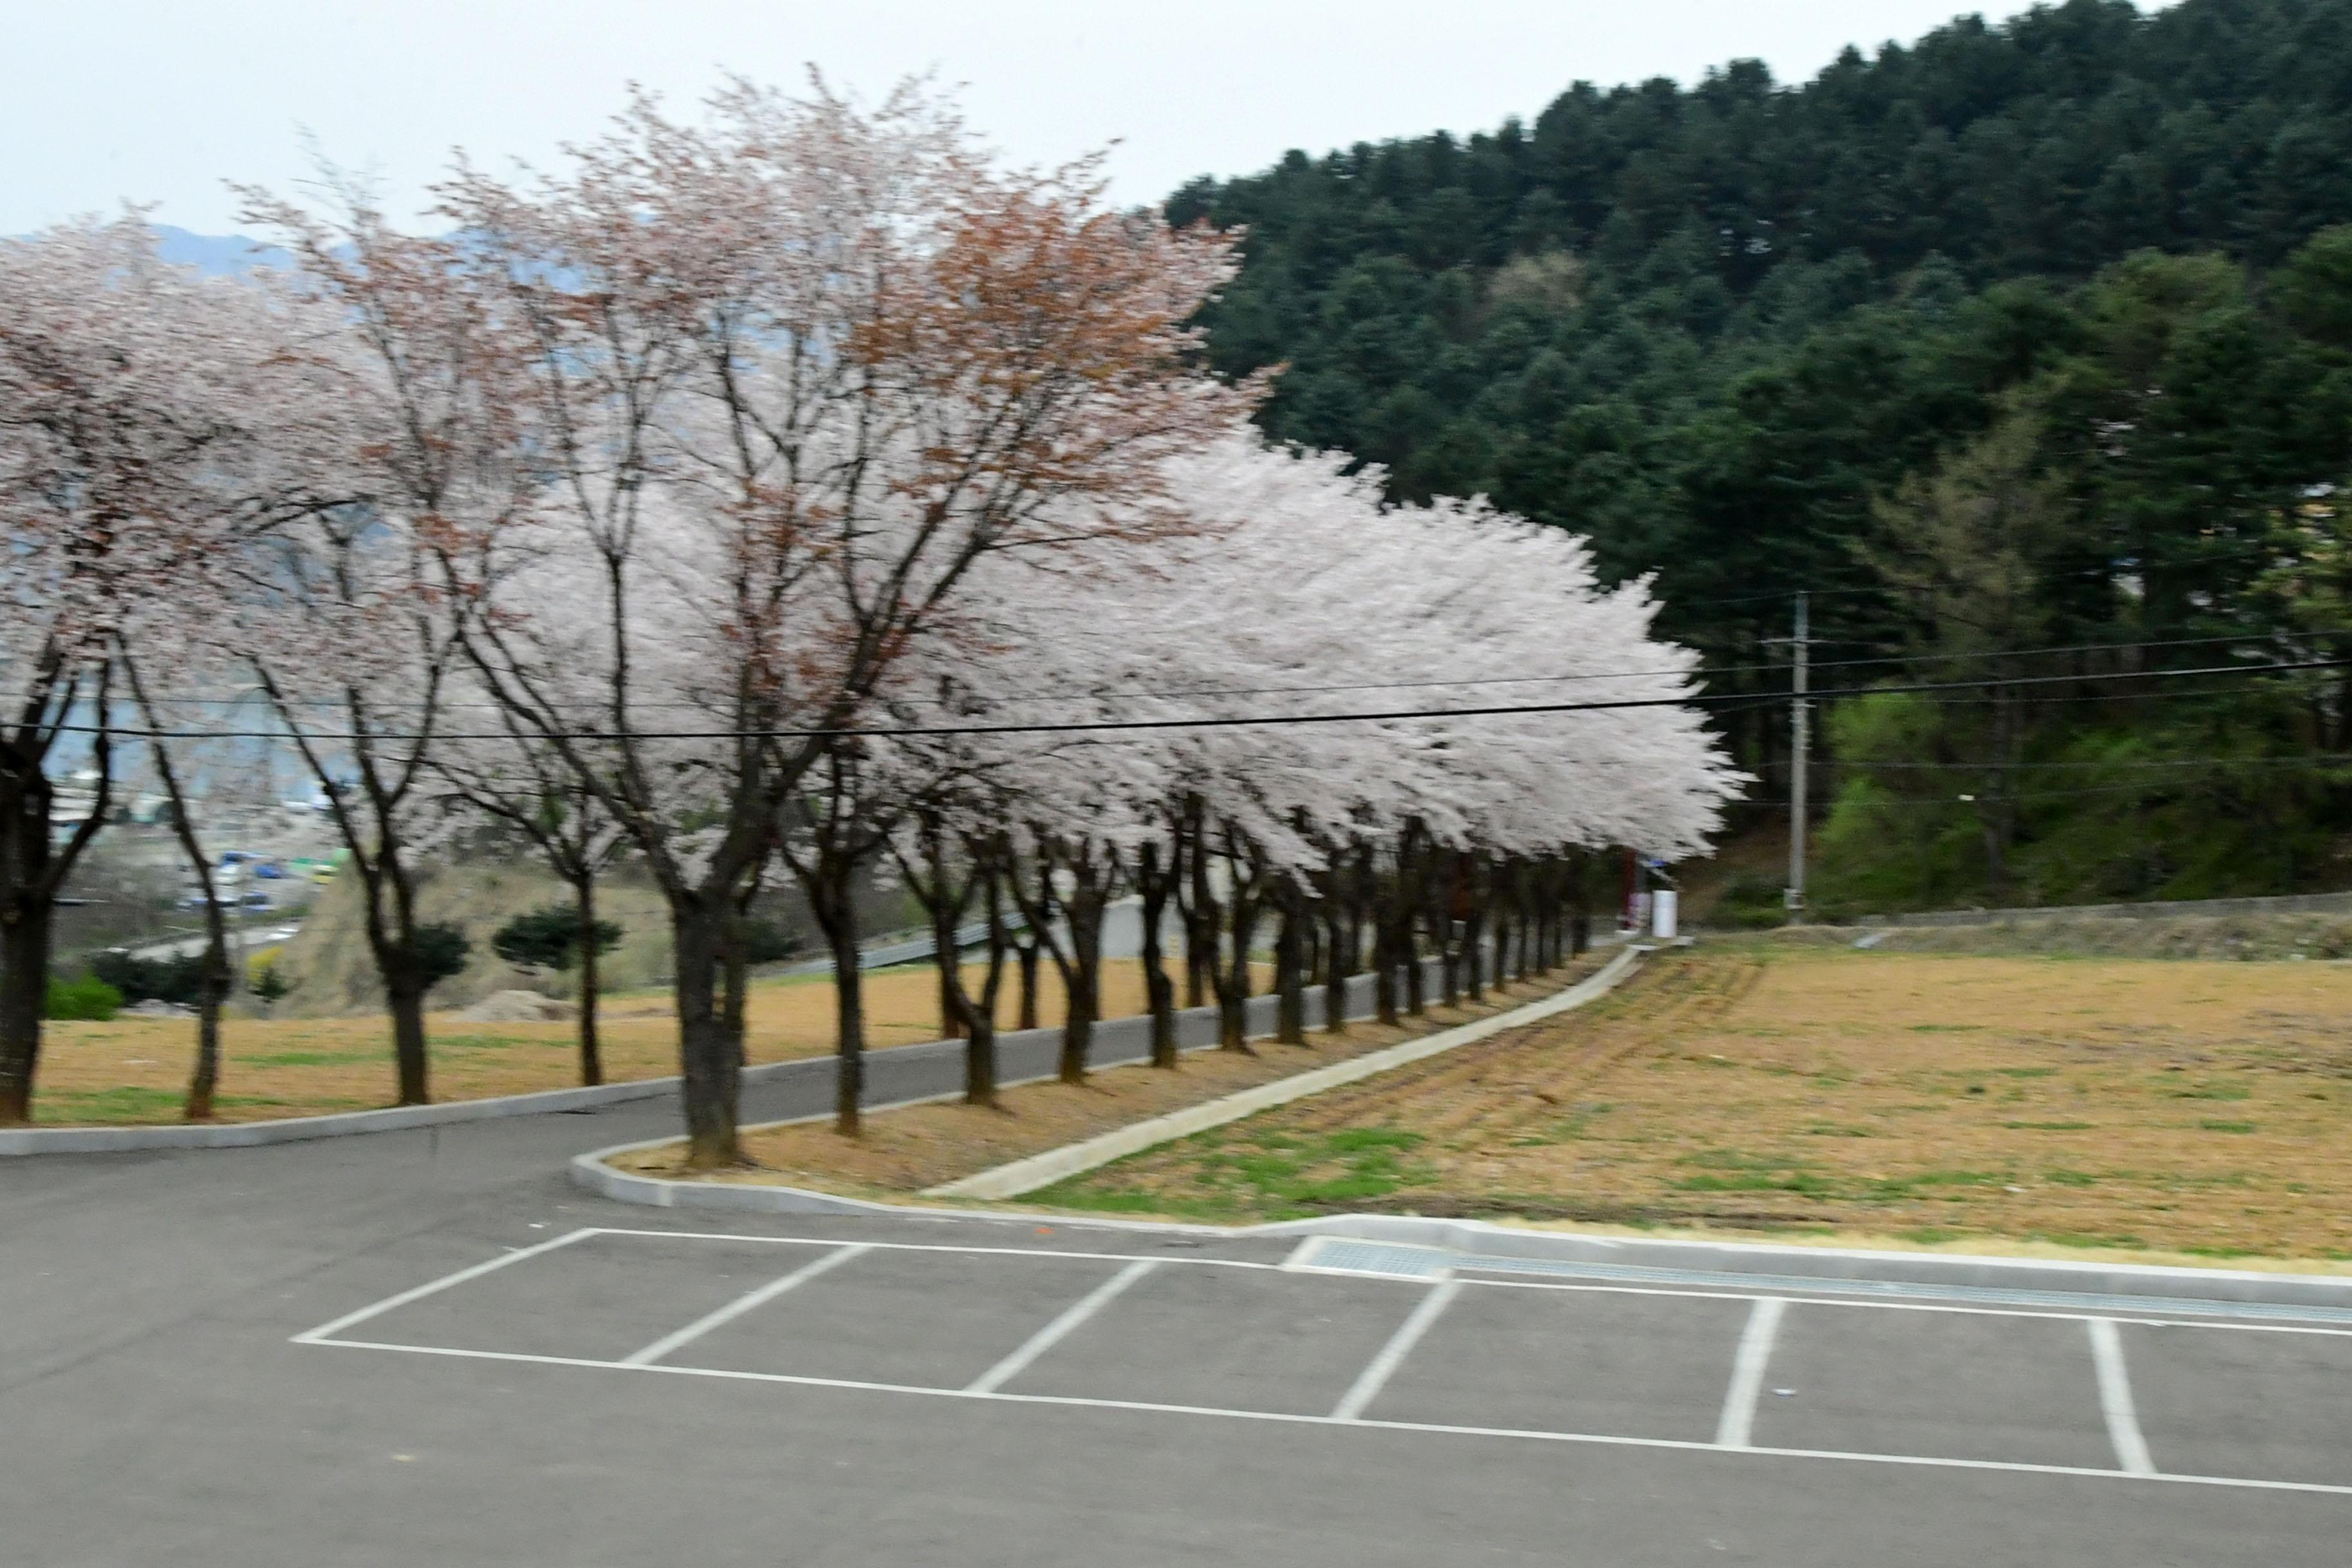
84, 998
1751, 901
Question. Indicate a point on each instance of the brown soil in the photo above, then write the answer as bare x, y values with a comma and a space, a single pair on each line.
2199, 1108
905, 1150
135, 1070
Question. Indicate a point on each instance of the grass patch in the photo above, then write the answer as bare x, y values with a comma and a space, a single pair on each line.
308, 1059
2239, 1127
2212, 1091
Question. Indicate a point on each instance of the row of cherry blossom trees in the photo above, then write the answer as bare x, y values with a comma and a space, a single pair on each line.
795, 488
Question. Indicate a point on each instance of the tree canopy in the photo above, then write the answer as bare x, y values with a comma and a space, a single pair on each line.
1720, 329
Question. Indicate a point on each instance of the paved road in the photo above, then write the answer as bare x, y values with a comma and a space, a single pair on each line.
635, 1398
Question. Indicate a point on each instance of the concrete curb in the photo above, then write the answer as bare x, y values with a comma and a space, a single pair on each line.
1661, 1262
1010, 1181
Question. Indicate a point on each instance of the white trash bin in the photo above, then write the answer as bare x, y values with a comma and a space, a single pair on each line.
1665, 913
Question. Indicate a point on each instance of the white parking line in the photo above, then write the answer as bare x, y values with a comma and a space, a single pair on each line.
1377, 1373
1739, 1423
1053, 1333
1296, 1264
702, 1325
2115, 1398
349, 1318
2011, 1466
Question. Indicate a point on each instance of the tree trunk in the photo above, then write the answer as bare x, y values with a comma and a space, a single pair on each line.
1527, 931
1027, 955
1083, 978
1160, 992
947, 958
1416, 978
214, 981
735, 975
591, 1055
1233, 980
25, 927
707, 1062
979, 1015
837, 915
1473, 925
405, 998
1339, 960
1200, 930
394, 948
1290, 971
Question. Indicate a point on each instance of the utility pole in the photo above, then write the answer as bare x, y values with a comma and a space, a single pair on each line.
1798, 715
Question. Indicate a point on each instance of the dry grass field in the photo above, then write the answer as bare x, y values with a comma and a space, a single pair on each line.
2186, 1108
135, 1070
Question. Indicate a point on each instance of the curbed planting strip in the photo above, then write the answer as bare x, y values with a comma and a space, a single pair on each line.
595, 1172
1010, 1181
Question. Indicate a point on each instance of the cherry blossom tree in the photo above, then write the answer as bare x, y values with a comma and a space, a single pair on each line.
802, 367
143, 410
352, 629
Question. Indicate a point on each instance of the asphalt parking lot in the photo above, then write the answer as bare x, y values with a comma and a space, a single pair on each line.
187, 1376
1474, 1354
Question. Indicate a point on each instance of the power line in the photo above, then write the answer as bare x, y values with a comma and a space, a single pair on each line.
1273, 720
2317, 759
1700, 673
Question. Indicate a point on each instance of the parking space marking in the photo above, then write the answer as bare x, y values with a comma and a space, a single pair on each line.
1360, 1424
694, 1330
433, 1286
1381, 1367
2115, 1398
1738, 1424
1053, 1333
1736, 1431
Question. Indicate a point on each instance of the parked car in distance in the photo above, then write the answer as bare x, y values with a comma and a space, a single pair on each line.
256, 900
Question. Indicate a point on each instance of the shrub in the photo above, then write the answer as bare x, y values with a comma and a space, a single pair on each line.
441, 951
177, 979
86, 998
766, 940
1751, 901
267, 983
550, 938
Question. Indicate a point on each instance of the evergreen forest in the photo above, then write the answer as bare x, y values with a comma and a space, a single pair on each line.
2024, 351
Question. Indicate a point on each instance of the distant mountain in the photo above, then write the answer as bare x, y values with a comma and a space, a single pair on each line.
216, 255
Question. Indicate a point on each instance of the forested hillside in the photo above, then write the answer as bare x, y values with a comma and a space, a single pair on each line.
2018, 337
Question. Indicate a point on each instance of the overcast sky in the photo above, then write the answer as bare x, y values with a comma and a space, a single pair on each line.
160, 101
